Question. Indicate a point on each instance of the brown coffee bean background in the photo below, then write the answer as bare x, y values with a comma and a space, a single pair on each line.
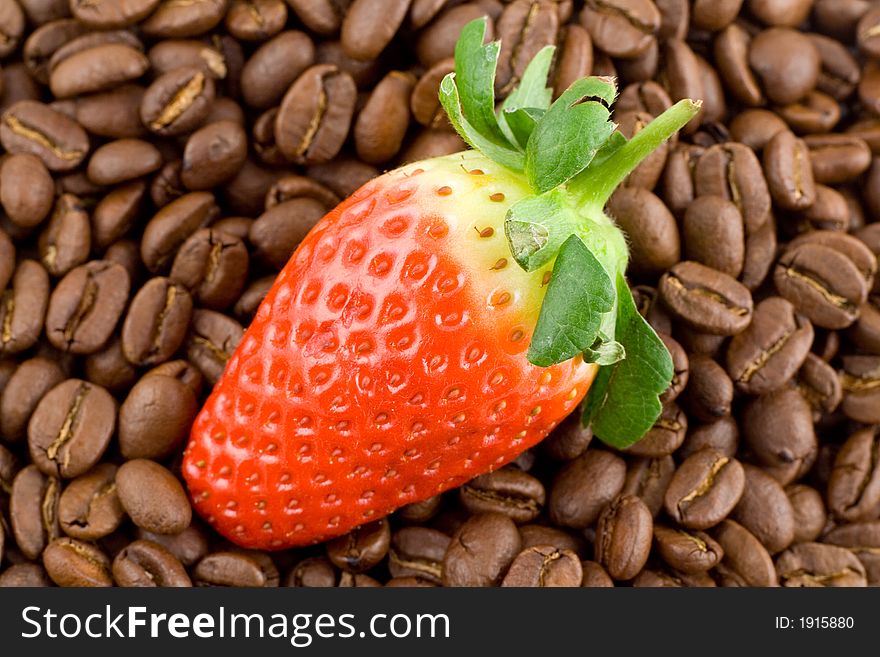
160, 162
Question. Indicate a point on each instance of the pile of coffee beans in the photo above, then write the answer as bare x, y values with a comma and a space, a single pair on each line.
161, 160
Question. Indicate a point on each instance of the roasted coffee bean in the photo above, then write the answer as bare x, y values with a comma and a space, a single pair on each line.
537, 535
746, 562
778, 428
787, 63
116, 213
312, 572
664, 577
837, 158
7, 259
66, 241
810, 516
369, 25
31, 380
106, 14
109, 368
829, 212
274, 66
732, 54
682, 76
13, 21
437, 40
706, 299
86, 305
33, 510
756, 127
481, 551
866, 32
173, 19
815, 564
278, 231
189, 546
144, 563
213, 337
733, 172
213, 155
789, 172
381, 124
665, 436
822, 283
96, 69
526, 26
360, 549
544, 566
365, 73
255, 20
854, 486
819, 385
71, 428
177, 101
70, 562
649, 307
156, 323
687, 551
816, 112
123, 160
238, 569
213, 266
152, 497
315, 115
418, 552
246, 306
24, 574
680, 369
709, 394
32, 127
860, 381
771, 350
653, 234
714, 16
89, 507
623, 537
574, 58
714, 234
26, 189
173, 224
508, 491
648, 479
584, 486
863, 540
343, 175
155, 418
424, 100
765, 510
620, 28
704, 490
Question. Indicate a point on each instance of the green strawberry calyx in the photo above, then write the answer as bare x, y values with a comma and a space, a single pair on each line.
573, 158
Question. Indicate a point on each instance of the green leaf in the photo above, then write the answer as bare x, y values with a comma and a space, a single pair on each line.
475, 65
579, 293
614, 143
624, 400
605, 351
504, 155
528, 102
570, 133
536, 226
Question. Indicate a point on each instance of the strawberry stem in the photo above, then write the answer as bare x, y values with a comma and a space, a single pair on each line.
595, 185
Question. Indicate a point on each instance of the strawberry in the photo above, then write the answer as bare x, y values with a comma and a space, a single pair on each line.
441, 320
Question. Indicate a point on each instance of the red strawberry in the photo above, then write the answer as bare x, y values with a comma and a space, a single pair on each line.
391, 359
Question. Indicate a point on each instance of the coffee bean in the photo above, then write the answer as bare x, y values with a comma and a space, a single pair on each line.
255, 20
26, 189
538, 535
86, 305
854, 486
33, 510
619, 28
105, 14
584, 486
70, 562
109, 368
237, 569
278, 231
860, 381
381, 124
481, 551
786, 62
508, 491
66, 241
173, 224
156, 417
361, 549
213, 266
651, 229
822, 283
648, 479
732, 53
170, 54
123, 160
768, 353
714, 16
156, 323
71, 428
312, 572
594, 575
172, 19
144, 563
862, 539
809, 512
837, 158
668, 578
177, 101
687, 551
26, 386
706, 299
544, 566
369, 25
820, 386
97, 69
665, 436
315, 114
623, 537
778, 428
437, 40
32, 127
714, 234
152, 497
765, 510
756, 127
246, 306
709, 394
789, 172
189, 546
213, 154
574, 58
705, 489
746, 562
213, 337
815, 564
829, 212
89, 507
24, 574
526, 26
